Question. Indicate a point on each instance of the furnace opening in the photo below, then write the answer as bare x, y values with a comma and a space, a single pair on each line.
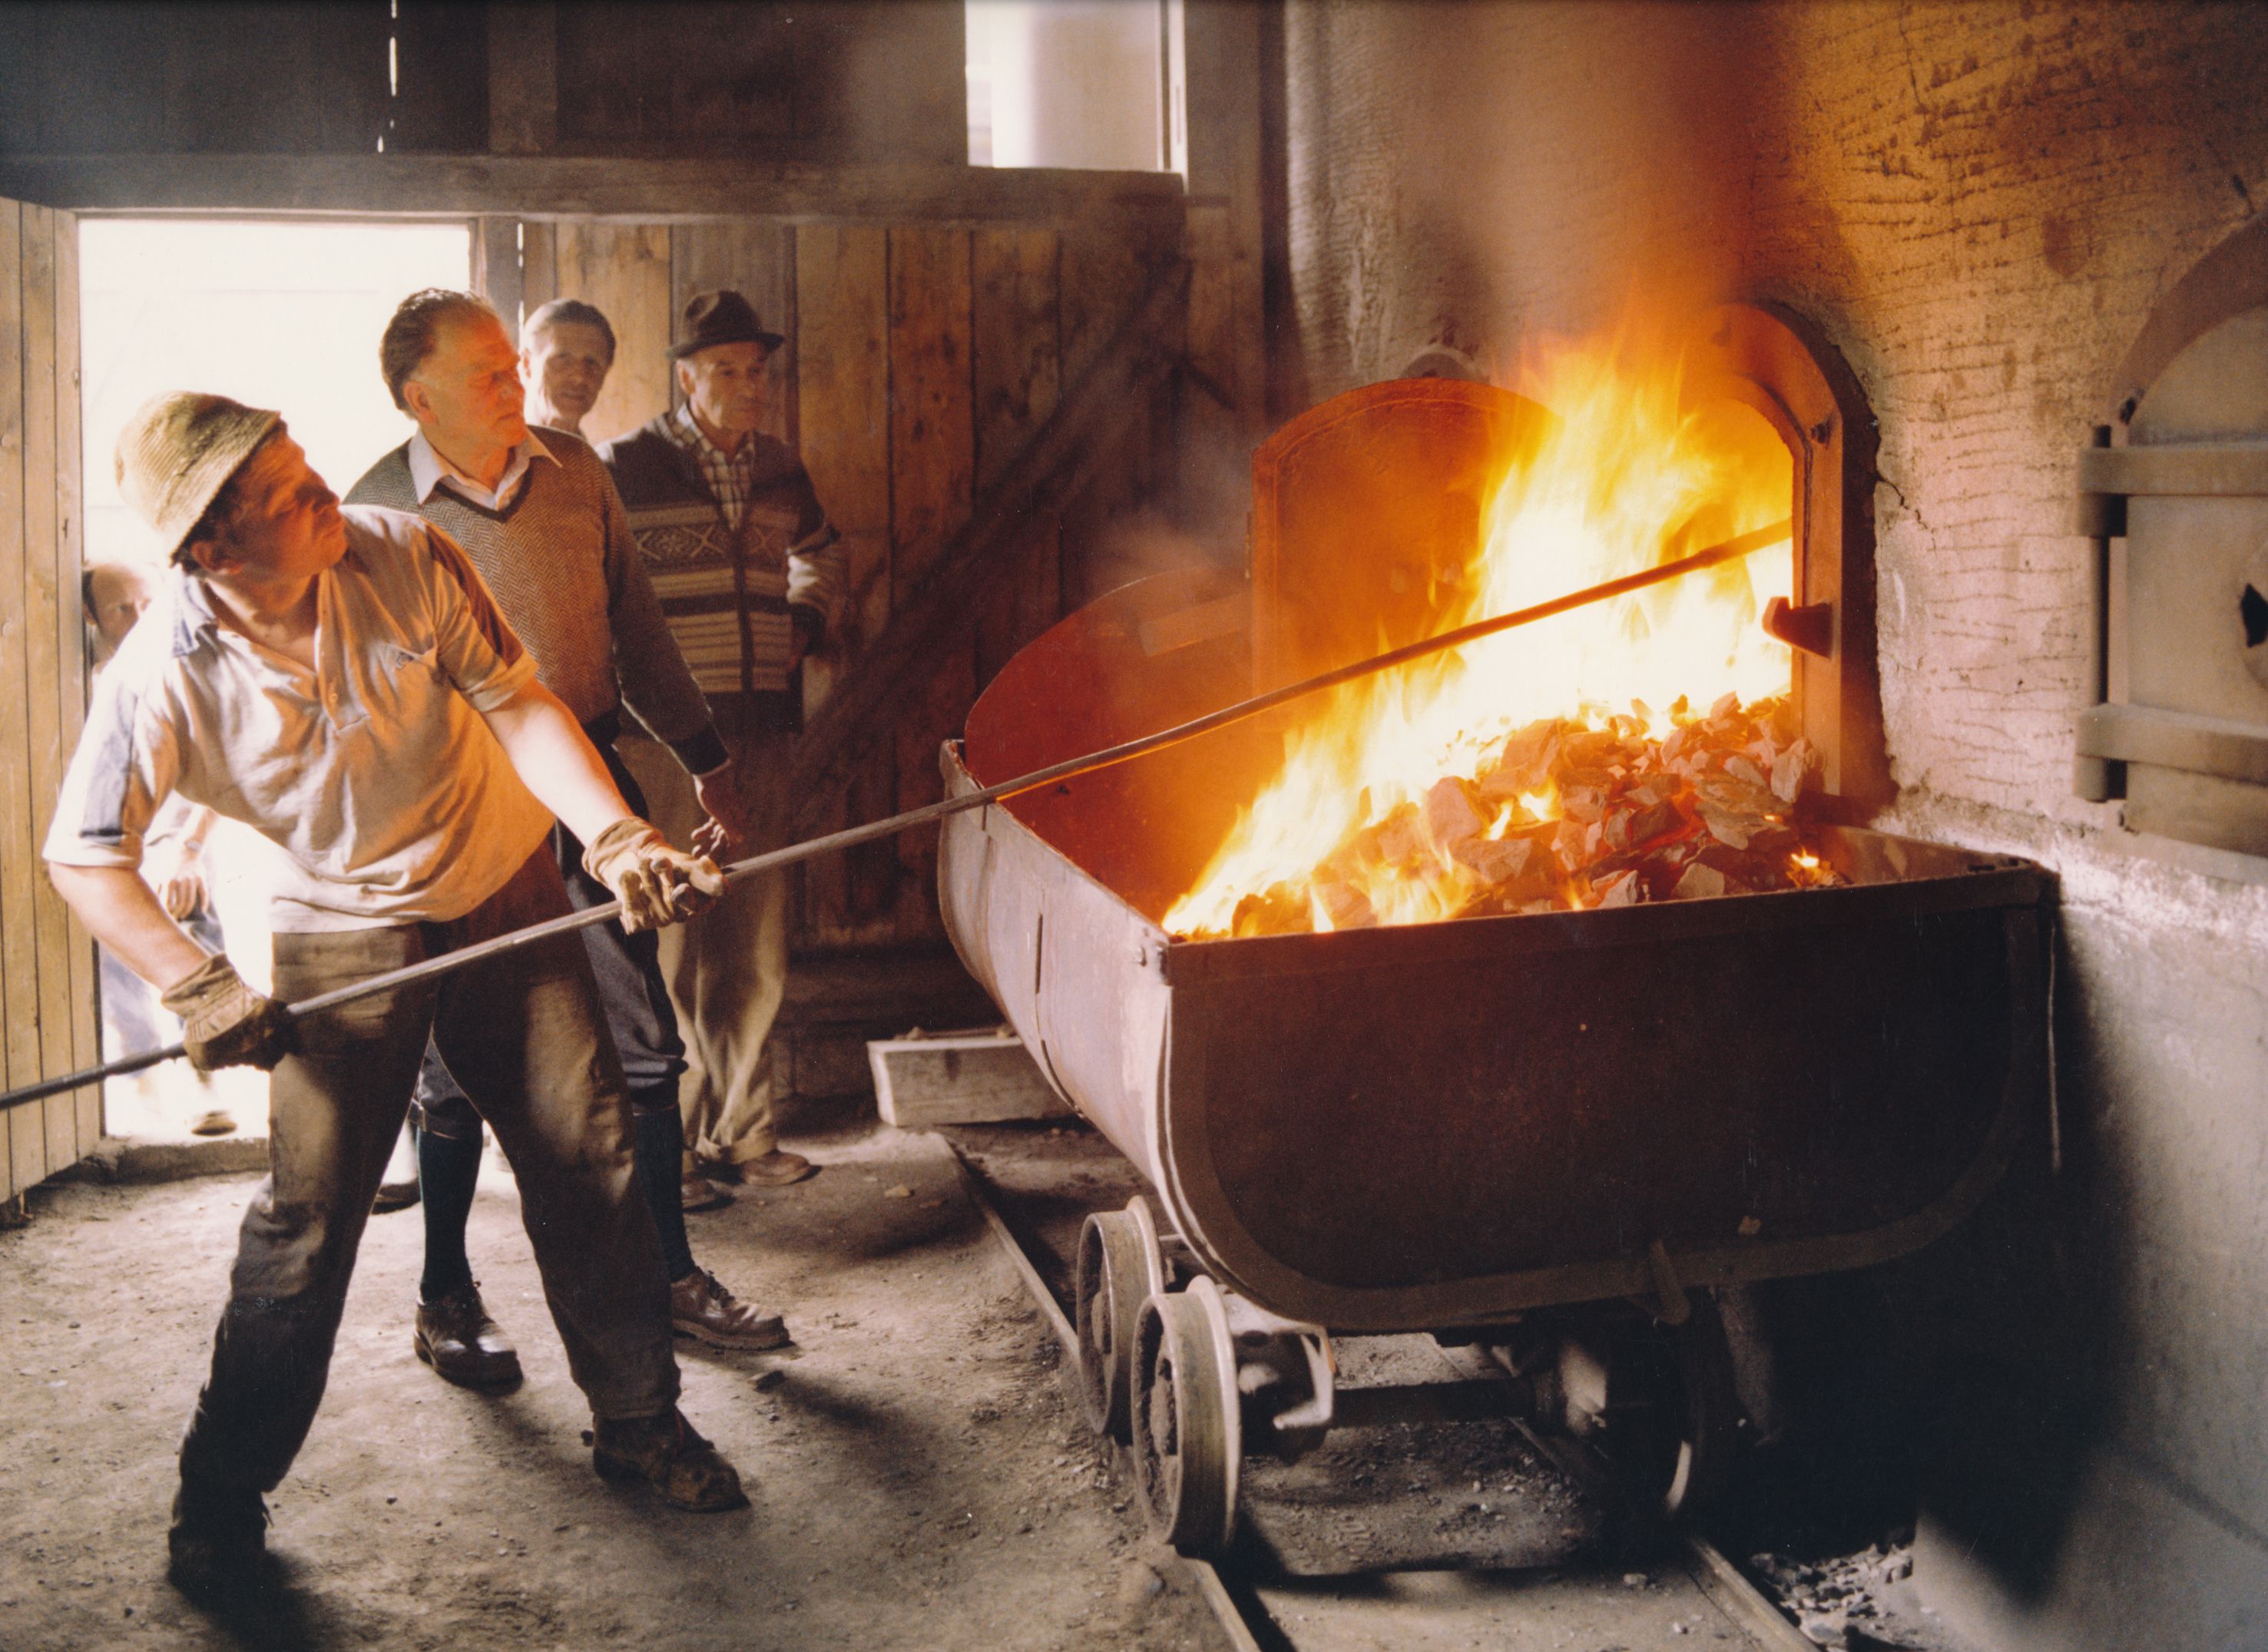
1643, 749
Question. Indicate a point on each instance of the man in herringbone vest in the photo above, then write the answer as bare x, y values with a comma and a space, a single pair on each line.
542, 524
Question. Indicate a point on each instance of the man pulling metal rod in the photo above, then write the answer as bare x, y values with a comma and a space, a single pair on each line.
342, 682
1731, 550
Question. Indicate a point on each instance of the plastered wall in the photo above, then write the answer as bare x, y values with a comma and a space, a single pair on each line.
1979, 205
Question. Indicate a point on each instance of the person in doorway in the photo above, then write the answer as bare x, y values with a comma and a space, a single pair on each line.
112, 595
566, 350
342, 682
732, 513
540, 522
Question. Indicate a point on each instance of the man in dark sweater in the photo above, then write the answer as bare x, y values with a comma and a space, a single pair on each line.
751, 577
543, 526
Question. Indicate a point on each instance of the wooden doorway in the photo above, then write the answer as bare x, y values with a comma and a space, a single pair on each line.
47, 959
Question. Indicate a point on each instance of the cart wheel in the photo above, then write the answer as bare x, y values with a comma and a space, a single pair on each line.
1673, 1427
1120, 1267
1709, 1442
1188, 1440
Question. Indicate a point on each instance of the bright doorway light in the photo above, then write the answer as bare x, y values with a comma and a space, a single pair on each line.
280, 315
284, 316
1073, 83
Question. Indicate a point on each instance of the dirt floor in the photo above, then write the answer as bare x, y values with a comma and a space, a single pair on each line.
919, 1476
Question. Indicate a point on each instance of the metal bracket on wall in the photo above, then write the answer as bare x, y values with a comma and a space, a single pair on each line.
1810, 626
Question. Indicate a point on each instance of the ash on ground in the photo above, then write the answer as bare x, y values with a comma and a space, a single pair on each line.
1865, 1601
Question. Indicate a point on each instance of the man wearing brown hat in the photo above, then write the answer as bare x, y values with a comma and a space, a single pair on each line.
750, 578
342, 682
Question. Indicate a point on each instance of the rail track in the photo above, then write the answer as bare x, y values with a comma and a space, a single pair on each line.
1689, 1588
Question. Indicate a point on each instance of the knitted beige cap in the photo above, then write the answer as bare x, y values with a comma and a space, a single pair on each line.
178, 450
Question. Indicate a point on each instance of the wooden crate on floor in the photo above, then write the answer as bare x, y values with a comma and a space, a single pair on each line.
959, 1078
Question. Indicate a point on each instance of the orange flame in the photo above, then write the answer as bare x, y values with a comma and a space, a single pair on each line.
1362, 815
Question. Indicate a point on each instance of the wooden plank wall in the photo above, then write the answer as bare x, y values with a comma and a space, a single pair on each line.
920, 360
47, 961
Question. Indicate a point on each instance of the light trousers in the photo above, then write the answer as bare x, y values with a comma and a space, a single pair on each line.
726, 970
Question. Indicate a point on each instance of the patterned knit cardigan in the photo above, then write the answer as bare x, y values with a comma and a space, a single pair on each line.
732, 598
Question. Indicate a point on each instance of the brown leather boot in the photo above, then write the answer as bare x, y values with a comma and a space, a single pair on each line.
700, 1306
670, 1454
776, 1168
699, 1193
456, 1336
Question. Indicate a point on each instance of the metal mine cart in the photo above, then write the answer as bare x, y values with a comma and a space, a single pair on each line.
1547, 1136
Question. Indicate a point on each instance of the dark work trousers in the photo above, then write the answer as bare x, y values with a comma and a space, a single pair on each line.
631, 993
523, 1032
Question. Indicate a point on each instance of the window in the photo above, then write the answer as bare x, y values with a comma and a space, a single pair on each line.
1075, 83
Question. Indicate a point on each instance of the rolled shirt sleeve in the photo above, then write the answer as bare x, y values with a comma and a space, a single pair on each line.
124, 768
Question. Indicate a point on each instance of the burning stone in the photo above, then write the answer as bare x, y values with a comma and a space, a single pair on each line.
1450, 816
1280, 909
1657, 823
1525, 762
1583, 793
1495, 860
1400, 834
1345, 907
1789, 768
1625, 888
1701, 813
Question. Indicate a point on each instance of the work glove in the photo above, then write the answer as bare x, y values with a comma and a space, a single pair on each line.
225, 1024
656, 885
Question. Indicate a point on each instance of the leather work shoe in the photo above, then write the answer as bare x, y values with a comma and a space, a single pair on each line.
776, 1168
670, 1454
218, 1545
700, 1193
700, 1307
456, 1336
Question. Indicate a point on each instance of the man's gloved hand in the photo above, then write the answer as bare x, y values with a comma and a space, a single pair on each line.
225, 1024
656, 885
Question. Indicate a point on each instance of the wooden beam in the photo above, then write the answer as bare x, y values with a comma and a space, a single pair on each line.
1143, 205
1039, 481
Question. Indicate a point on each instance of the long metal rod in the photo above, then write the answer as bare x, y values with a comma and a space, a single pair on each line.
1730, 550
